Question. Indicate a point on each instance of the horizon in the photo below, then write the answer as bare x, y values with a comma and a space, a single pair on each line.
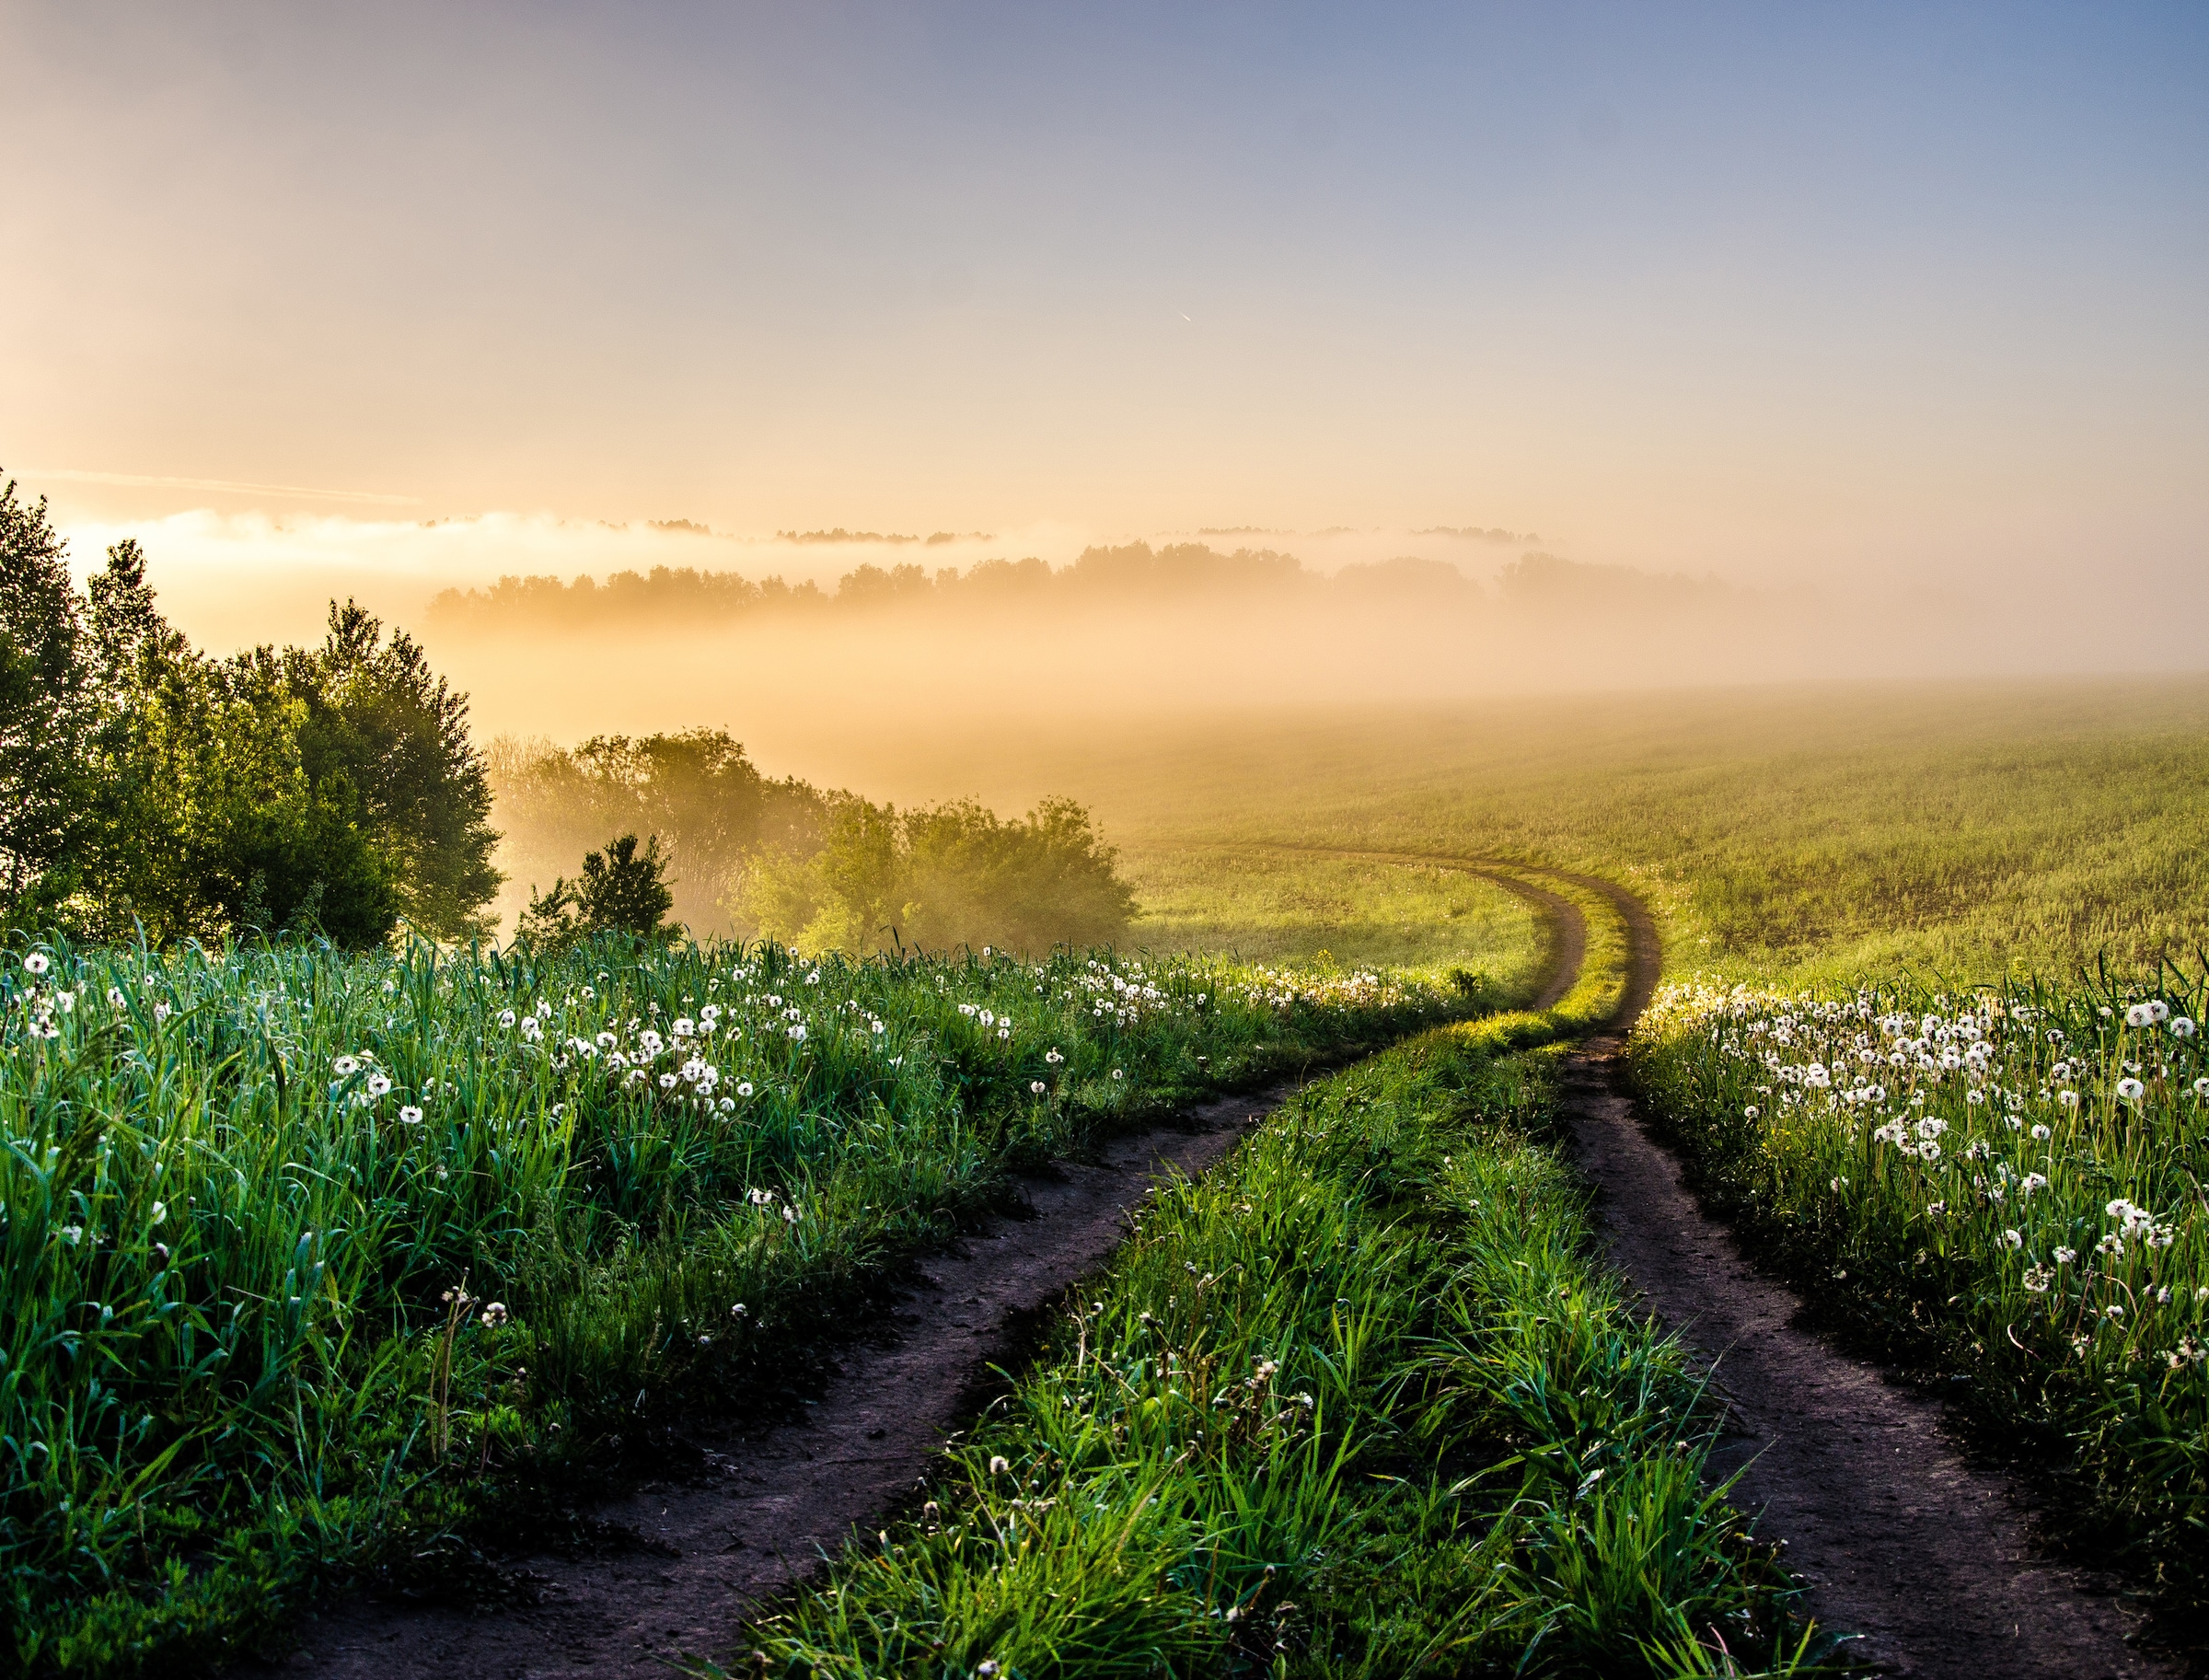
1883, 300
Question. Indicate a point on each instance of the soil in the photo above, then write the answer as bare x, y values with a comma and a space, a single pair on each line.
740, 1518
1930, 1558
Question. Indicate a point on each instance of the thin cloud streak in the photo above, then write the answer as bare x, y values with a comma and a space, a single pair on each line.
225, 486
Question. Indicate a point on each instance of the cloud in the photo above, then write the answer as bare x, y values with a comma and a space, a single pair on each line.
74, 475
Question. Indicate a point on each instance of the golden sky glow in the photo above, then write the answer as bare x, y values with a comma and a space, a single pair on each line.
1852, 296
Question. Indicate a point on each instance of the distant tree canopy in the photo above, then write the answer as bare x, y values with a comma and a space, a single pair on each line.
1134, 576
330, 789
743, 854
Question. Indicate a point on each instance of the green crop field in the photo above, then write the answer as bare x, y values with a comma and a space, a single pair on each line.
1781, 834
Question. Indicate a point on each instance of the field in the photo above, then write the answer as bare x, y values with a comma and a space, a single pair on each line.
1359, 1403
330, 1268
2000, 1188
1782, 835
310, 1257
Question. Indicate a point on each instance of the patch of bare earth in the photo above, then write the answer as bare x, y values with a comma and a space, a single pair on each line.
739, 1518
1902, 1539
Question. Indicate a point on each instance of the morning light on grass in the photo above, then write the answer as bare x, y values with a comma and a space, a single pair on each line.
1017, 844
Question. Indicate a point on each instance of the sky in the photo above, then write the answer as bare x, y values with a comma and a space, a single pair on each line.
1853, 296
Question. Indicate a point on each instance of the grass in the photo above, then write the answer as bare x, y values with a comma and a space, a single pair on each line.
1782, 834
312, 1259
2002, 1189
1272, 908
1361, 1402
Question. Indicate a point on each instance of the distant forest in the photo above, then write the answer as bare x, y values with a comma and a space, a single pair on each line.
1135, 574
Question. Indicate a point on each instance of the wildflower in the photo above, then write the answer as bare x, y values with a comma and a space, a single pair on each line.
2013, 1239
2131, 1090
2041, 1134
115, 996
506, 1017
737, 1311
668, 1081
1749, 1112
997, 1466
345, 1066
64, 1000
2139, 1014
1035, 1087
36, 964
379, 1084
2064, 1257
1934, 1210
2031, 1182
744, 1087
2069, 1098
494, 1314
160, 1213
2181, 1027
797, 1033
2163, 1297
161, 1011
2037, 1279
2113, 1311
409, 1116
1118, 1074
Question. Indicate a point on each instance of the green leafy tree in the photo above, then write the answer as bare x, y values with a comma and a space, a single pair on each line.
47, 715
380, 724
944, 875
710, 807
620, 890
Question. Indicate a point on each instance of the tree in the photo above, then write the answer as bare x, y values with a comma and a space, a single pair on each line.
622, 890
943, 876
46, 716
696, 791
380, 722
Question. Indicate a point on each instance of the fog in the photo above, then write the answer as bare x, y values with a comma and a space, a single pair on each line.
1357, 623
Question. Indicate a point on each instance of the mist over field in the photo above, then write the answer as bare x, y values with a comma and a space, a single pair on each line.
1371, 615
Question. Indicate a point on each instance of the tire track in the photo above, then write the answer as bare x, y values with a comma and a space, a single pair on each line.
1931, 1562
745, 1517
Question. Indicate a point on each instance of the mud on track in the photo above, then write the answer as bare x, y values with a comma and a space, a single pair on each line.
1901, 1538
743, 1517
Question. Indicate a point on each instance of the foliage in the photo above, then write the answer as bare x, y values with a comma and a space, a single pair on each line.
331, 790
383, 726
1998, 1185
240, 1180
621, 891
1360, 1402
695, 790
944, 875
827, 869
46, 714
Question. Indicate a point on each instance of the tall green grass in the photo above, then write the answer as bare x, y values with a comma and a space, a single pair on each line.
308, 1255
2003, 1186
1360, 1402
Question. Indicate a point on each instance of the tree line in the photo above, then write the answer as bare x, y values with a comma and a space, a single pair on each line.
1134, 574
742, 852
335, 791
144, 784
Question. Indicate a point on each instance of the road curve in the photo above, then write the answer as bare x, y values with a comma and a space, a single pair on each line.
1931, 1563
